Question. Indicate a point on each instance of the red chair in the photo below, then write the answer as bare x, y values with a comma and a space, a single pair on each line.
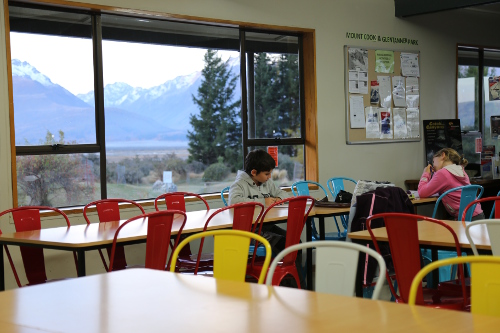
402, 232
298, 212
27, 218
157, 240
495, 212
243, 219
108, 210
177, 200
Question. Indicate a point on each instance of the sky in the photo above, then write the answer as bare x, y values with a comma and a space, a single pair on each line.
68, 61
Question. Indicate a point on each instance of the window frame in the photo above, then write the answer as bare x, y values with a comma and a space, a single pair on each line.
307, 90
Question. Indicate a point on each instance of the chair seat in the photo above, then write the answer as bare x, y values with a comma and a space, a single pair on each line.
454, 287
331, 236
189, 261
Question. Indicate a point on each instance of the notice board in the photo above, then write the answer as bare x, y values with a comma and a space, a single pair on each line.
382, 95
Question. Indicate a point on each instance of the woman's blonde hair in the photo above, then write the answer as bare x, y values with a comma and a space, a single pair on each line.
452, 155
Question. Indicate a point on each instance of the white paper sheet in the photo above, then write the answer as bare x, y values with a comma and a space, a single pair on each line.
353, 87
412, 92
358, 59
409, 64
363, 87
412, 123
398, 91
357, 115
399, 116
372, 124
385, 91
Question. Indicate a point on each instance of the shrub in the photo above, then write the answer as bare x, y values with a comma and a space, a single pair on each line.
286, 163
216, 172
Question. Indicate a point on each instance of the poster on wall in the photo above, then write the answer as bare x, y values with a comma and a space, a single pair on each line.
358, 59
494, 85
439, 134
495, 127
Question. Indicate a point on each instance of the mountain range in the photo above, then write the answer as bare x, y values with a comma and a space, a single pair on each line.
160, 113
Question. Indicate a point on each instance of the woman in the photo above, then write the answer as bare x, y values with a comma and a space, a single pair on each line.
447, 172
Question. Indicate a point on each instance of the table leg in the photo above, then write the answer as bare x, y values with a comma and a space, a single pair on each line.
309, 254
321, 228
435, 273
2, 270
81, 262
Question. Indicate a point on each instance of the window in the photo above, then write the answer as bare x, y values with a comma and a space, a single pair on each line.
478, 99
115, 106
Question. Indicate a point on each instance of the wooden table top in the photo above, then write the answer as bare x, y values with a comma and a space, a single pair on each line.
435, 235
141, 300
98, 234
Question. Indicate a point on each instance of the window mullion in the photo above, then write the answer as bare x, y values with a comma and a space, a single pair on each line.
99, 99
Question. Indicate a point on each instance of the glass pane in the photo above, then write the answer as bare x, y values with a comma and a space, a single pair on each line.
52, 70
290, 167
57, 180
173, 116
273, 86
467, 94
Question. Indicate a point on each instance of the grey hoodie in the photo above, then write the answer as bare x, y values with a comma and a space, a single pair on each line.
245, 190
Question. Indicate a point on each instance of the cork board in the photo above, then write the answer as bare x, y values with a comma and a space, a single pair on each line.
403, 125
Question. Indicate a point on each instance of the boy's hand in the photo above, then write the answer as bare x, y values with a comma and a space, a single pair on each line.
270, 201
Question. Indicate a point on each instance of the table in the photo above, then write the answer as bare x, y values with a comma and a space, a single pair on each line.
433, 237
142, 300
82, 238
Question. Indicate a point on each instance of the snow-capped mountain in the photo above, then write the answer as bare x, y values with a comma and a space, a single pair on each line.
24, 69
131, 113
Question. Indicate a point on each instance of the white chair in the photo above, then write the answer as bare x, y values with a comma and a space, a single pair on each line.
493, 227
336, 265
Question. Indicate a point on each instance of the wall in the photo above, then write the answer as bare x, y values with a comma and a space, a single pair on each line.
437, 34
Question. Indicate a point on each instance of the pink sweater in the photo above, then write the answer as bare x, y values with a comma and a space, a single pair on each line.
442, 181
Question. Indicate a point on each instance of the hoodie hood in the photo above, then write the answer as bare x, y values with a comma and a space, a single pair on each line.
243, 176
455, 170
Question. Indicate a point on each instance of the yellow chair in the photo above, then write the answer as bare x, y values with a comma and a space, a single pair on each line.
230, 253
485, 282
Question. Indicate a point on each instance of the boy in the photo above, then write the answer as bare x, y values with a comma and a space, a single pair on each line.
252, 184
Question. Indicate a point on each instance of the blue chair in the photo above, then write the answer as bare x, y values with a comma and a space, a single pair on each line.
335, 184
261, 250
302, 188
469, 194
224, 190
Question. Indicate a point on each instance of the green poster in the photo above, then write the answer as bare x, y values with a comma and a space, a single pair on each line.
384, 61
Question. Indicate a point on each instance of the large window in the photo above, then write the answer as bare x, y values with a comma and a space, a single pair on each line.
114, 106
478, 98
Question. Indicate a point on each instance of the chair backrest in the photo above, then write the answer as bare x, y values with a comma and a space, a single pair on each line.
27, 218
298, 212
176, 200
243, 219
336, 266
402, 232
158, 237
335, 184
469, 193
493, 227
230, 253
485, 279
108, 210
495, 213
302, 187
224, 190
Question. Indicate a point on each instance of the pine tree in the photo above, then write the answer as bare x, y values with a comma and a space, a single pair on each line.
217, 130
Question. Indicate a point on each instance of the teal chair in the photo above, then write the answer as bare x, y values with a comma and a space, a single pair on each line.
261, 250
224, 190
469, 194
335, 184
302, 188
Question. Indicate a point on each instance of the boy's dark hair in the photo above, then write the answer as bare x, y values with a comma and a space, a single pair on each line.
259, 160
